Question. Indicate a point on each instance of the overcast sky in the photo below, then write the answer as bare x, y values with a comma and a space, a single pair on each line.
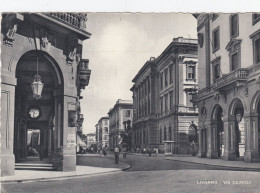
119, 46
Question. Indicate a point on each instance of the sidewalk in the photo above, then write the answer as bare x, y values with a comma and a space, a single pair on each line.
82, 169
215, 162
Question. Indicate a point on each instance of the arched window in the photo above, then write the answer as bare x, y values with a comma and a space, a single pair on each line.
164, 134
170, 133
160, 136
193, 133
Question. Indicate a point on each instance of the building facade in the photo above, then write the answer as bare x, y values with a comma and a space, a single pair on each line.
97, 133
118, 115
144, 130
163, 111
228, 99
91, 139
42, 75
103, 132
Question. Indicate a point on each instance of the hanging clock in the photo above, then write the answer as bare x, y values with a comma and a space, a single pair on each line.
34, 112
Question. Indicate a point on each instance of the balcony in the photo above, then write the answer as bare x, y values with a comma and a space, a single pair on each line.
239, 75
76, 20
83, 74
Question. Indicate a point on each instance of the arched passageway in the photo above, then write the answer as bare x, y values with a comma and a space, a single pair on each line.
238, 137
34, 132
218, 131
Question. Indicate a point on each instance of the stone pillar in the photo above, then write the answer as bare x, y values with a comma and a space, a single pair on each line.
251, 138
229, 143
202, 142
64, 134
7, 125
212, 141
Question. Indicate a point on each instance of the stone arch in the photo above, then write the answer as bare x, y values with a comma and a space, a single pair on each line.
236, 114
254, 102
214, 111
50, 56
233, 104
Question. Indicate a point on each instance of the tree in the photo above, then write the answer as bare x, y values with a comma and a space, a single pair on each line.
126, 135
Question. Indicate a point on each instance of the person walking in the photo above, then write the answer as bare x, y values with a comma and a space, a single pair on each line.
124, 152
116, 151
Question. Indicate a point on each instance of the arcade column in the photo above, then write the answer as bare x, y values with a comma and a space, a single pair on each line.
65, 133
7, 124
230, 135
251, 138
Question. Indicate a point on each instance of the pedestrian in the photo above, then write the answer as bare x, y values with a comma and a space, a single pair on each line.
193, 153
124, 152
116, 151
104, 150
150, 151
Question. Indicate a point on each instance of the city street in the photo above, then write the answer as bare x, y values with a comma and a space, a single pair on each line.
151, 174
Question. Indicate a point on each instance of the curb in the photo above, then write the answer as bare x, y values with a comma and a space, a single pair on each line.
57, 178
65, 177
227, 167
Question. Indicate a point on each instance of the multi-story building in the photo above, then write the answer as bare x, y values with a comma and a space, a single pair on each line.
163, 111
144, 131
104, 131
228, 99
97, 133
42, 74
91, 139
120, 113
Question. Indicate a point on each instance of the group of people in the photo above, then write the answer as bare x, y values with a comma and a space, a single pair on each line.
144, 150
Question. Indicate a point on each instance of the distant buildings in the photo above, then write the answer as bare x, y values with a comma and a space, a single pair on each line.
229, 82
102, 132
163, 112
121, 112
91, 139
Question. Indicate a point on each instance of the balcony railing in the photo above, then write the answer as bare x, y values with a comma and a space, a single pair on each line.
76, 20
240, 74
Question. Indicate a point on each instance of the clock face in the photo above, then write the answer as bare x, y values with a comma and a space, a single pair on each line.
34, 112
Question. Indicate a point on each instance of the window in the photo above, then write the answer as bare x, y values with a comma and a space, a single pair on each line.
216, 72
170, 133
166, 77
161, 80
257, 51
256, 18
234, 61
166, 103
234, 26
127, 113
148, 85
164, 134
170, 73
160, 136
216, 39
190, 72
106, 129
161, 105
149, 110
105, 122
171, 99
256, 46
216, 68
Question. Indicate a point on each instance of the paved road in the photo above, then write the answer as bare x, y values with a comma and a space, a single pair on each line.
151, 174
